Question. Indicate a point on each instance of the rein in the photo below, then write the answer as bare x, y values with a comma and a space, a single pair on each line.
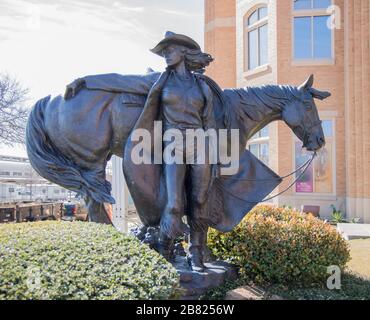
306, 165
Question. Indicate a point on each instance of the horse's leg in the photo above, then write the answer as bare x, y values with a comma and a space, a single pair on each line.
97, 212
87, 201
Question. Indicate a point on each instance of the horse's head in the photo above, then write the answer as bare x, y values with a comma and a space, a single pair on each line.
302, 117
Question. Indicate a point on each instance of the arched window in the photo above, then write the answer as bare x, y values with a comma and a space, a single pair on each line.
256, 30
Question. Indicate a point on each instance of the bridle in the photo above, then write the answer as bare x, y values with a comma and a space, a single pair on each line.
306, 132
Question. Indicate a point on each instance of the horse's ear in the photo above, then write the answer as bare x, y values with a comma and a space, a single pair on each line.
307, 84
320, 94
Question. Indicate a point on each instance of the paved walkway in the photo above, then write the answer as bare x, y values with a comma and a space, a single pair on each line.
354, 230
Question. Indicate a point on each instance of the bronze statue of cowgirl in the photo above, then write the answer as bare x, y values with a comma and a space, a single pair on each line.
185, 104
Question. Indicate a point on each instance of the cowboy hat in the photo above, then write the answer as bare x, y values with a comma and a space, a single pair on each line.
174, 38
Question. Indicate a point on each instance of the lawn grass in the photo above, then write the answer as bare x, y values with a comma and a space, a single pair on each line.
360, 257
353, 287
355, 281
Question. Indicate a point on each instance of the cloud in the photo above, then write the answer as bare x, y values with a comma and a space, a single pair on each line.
49, 42
138, 20
70, 16
119, 6
178, 13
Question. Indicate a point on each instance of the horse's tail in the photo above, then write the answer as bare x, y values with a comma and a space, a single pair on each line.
51, 164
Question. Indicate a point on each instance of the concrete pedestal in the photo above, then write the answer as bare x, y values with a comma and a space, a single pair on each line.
195, 284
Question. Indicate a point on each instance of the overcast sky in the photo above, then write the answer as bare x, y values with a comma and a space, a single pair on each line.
46, 44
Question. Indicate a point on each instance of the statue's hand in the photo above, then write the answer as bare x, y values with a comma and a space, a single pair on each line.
73, 88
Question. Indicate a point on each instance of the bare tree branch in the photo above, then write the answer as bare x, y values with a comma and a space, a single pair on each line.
13, 114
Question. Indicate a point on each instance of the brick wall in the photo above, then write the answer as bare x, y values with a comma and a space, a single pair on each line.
357, 110
347, 77
220, 40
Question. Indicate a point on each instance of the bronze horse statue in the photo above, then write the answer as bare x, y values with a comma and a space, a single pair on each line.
69, 141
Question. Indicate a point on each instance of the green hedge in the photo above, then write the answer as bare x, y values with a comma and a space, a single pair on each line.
281, 246
64, 260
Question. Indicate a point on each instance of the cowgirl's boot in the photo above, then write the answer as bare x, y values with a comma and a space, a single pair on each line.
195, 257
207, 254
166, 246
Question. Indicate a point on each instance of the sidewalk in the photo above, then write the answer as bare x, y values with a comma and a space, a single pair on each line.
354, 230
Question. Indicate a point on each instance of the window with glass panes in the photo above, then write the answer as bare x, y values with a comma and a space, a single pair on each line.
256, 27
319, 176
313, 39
259, 145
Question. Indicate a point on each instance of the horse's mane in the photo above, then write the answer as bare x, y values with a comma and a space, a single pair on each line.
255, 102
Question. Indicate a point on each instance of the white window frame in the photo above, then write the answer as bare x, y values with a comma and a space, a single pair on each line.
261, 140
311, 13
249, 28
322, 196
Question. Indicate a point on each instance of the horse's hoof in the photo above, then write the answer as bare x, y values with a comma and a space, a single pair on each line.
207, 255
195, 263
166, 248
197, 268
